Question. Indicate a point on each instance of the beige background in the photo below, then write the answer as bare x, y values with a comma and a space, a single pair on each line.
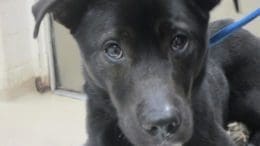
68, 58
226, 10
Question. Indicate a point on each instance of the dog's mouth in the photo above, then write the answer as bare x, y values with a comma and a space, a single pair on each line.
163, 135
168, 144
171, 145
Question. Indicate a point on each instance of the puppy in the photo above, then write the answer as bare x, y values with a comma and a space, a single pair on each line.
151, 79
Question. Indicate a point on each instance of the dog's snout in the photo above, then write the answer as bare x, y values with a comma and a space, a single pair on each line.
162, 123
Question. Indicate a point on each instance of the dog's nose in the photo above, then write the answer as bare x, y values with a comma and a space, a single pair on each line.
163, 124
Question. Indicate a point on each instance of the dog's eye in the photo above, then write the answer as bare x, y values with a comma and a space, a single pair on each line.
114, 51
179, 43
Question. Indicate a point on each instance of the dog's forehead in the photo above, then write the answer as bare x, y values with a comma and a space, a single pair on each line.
140, 12
142, 8
139, 17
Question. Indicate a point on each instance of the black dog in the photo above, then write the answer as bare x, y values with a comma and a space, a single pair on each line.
150, 77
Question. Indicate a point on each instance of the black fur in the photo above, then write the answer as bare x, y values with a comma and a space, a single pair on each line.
153, 94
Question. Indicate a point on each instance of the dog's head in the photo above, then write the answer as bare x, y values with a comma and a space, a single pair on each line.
148, 55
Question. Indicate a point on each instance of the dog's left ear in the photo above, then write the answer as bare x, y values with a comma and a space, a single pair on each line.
207, 5
66, 12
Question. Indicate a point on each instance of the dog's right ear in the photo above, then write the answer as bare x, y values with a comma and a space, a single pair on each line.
39, 10
66, 12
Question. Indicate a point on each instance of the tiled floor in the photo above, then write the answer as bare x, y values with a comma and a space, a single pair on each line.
33, 119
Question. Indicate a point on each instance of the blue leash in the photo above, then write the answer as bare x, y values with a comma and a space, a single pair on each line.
228, 30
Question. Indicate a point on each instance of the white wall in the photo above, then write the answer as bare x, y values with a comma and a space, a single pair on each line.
21, 59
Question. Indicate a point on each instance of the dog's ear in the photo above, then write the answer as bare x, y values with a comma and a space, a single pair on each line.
39, 10
207, 5
66, 12
236, 3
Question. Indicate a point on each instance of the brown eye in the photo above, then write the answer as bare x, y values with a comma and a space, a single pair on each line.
114, 51
179, 43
